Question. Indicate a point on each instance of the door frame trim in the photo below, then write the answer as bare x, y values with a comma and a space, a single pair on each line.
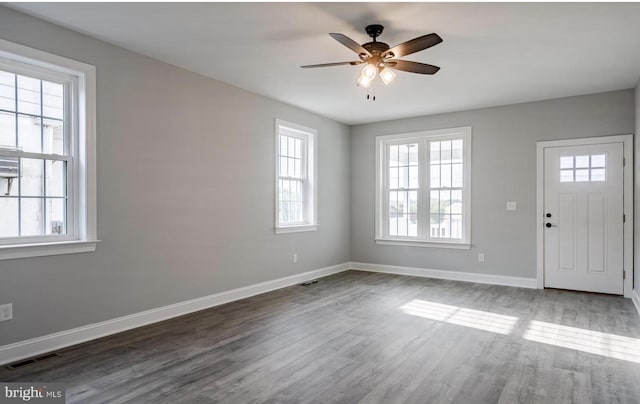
627, 141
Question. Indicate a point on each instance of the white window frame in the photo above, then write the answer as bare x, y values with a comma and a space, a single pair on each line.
81, 177
309, 167
424, 238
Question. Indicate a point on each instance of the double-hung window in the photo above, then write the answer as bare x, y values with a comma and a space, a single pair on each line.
423, 193
295, 178
47, 155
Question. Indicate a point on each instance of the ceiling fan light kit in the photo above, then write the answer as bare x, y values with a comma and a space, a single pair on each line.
380, 59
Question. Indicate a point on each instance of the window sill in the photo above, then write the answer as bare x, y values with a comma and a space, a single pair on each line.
296, 229
15, 251
429, 244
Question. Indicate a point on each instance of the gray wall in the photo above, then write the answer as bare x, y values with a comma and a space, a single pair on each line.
185, 193
503, 169
636, 255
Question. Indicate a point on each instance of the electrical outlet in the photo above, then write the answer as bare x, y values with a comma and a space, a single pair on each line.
295, 258
512, 206
6, 312
481, 257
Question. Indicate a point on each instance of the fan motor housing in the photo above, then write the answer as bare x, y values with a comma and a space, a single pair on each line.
375, 47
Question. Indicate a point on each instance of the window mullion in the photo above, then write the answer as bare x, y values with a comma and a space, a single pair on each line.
19, 160
426, 202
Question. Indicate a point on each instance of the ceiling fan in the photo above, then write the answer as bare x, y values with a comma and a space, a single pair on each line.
380, 58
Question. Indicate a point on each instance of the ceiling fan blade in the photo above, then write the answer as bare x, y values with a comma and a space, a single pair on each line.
414, 45
412, 67
332, 64
350, 43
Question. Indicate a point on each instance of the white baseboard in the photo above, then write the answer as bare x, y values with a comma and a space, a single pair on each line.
449, 275
635, 297
36, 346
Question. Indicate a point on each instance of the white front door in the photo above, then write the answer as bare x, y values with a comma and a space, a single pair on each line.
583, 217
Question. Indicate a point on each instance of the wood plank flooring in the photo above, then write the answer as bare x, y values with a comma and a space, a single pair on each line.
359, 337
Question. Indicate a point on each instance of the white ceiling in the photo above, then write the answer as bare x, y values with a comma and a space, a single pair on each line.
492, 54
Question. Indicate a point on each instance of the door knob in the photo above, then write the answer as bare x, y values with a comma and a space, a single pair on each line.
548, 215
548, 225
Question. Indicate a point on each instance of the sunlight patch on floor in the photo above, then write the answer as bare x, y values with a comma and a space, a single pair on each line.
482, 320
594, 342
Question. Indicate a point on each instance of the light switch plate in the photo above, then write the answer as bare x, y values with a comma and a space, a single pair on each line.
512, 206
6, 312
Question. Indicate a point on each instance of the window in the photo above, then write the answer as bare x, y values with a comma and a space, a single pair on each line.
588, 168
424, 188
47, 155
295, 178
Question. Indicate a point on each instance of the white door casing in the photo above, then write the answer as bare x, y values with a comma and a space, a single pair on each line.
627, 141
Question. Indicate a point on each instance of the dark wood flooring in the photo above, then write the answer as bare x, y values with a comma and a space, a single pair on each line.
359, 337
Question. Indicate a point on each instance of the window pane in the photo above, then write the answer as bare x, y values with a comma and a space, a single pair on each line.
8, 216
413, 177
566, 175
31, 216
435, 176
52, 100
393, 178
434, 225
283, 212
566, 162
53, 136
435, 152
402, 202
445, 176
413, 202
291, 166
283, 167
9, 175
456, 176
597, 174
582, 161
456, 202
445, 201
456, 226
291, 146
456, 151
7, 91
7, 130
404, 155
403, 225
297, 212
582, 175
394, 160
301, 192
404, 177
283, 145
393, 202
31, 180
434, 205
393, 224
445, 226
413, 225
28, 95
413, 154
298, 169
55, 178
29, 134
445, 153
56, 213
598, 160
298, 150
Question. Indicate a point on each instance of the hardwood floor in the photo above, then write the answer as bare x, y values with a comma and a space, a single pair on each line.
359, 337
